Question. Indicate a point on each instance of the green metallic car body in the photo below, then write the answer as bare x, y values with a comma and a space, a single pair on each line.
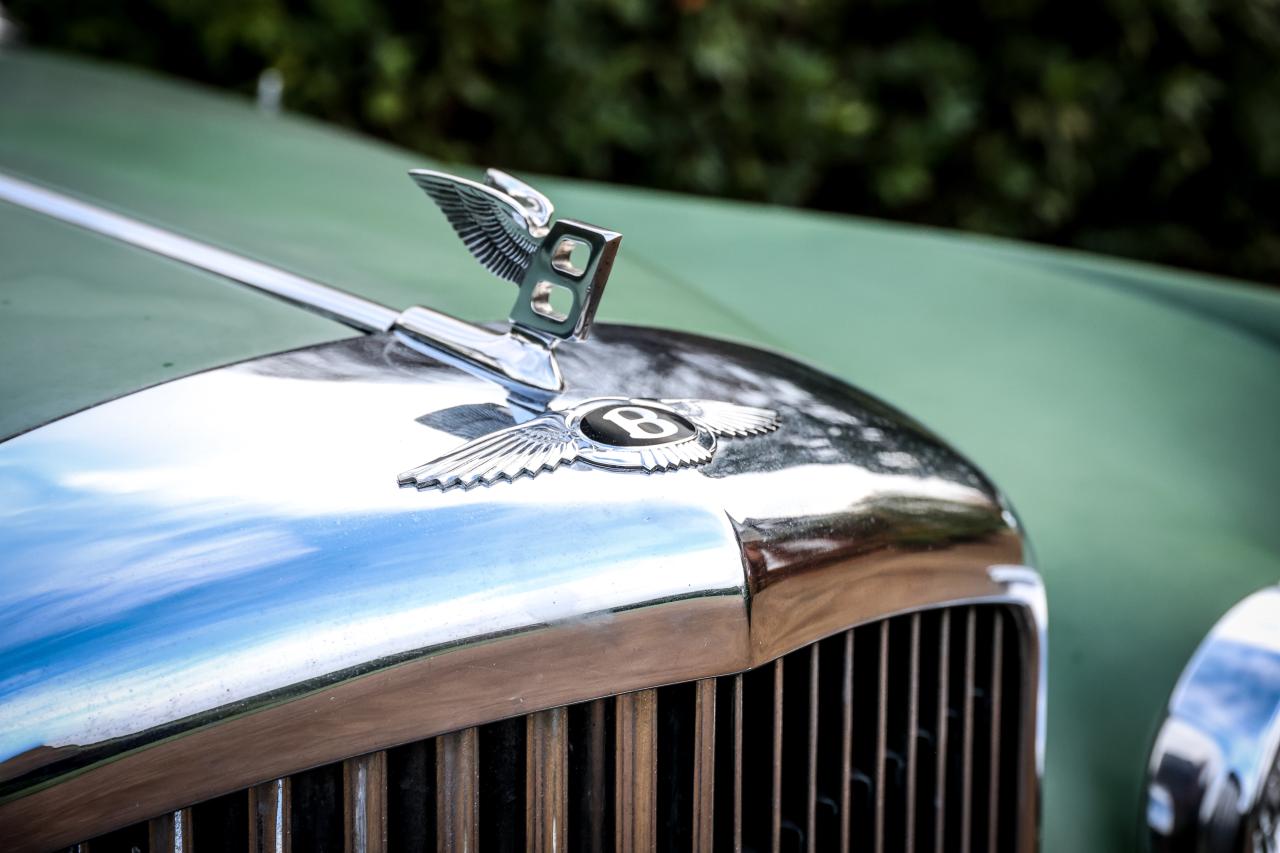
1130, 413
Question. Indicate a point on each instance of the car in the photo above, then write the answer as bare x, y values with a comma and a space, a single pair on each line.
305, 547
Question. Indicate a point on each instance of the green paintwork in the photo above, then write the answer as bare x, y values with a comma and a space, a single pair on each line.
1130, 413
84, 318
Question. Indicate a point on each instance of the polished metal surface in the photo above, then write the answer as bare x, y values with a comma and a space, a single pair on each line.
1214, 782
217, 581
339, 305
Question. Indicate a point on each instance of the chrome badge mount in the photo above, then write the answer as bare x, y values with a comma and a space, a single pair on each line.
561, 268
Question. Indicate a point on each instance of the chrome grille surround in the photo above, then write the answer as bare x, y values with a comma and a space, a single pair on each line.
810, 752
264, 599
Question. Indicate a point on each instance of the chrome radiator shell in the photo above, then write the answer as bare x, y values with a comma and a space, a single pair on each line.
218, 582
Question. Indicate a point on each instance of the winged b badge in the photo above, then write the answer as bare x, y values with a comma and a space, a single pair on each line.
608, 432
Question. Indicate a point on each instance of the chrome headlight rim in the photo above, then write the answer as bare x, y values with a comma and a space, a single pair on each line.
1213, 778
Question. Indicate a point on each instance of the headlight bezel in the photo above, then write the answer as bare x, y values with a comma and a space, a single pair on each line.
1217, 752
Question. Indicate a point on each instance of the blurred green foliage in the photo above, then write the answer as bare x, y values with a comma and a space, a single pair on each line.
1148, 128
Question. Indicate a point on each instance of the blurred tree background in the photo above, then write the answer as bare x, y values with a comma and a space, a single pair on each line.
1146, 128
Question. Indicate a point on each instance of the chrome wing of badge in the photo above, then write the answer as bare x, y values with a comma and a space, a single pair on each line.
607, 432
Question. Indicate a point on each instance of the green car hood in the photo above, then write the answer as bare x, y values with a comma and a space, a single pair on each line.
1129, 412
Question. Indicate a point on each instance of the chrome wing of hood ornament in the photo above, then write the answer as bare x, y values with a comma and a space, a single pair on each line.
560, 268
502, 221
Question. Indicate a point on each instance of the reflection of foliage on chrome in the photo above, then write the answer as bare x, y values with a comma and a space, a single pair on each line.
827, 421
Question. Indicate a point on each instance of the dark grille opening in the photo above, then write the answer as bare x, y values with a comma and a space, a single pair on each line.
676, 753
591, 776
502, 792
411, 797
131, 839
899, 736
219, 824
316, 817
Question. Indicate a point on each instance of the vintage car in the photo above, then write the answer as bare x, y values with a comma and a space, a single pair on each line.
304, 547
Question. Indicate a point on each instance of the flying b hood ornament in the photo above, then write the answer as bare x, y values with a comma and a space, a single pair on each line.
560, 268
507, 225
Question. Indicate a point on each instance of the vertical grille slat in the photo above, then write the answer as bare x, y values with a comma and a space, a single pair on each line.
912, 735
457, 791
942, 734
364, 786
882, 724
739, 685
1012, 763
637, 768
966, 759
704, 767
171, 833
546, 780
775, 778
811, 801
902, 735
846, 742
993, 790
728, 769
269, 814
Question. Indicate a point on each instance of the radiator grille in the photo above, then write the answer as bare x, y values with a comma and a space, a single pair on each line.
901, 735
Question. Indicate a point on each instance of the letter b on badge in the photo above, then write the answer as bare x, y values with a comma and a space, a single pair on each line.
633, 425
641, 424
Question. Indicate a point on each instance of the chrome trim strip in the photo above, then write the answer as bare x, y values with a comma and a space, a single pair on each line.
339, 305
524, 364
1023, 587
